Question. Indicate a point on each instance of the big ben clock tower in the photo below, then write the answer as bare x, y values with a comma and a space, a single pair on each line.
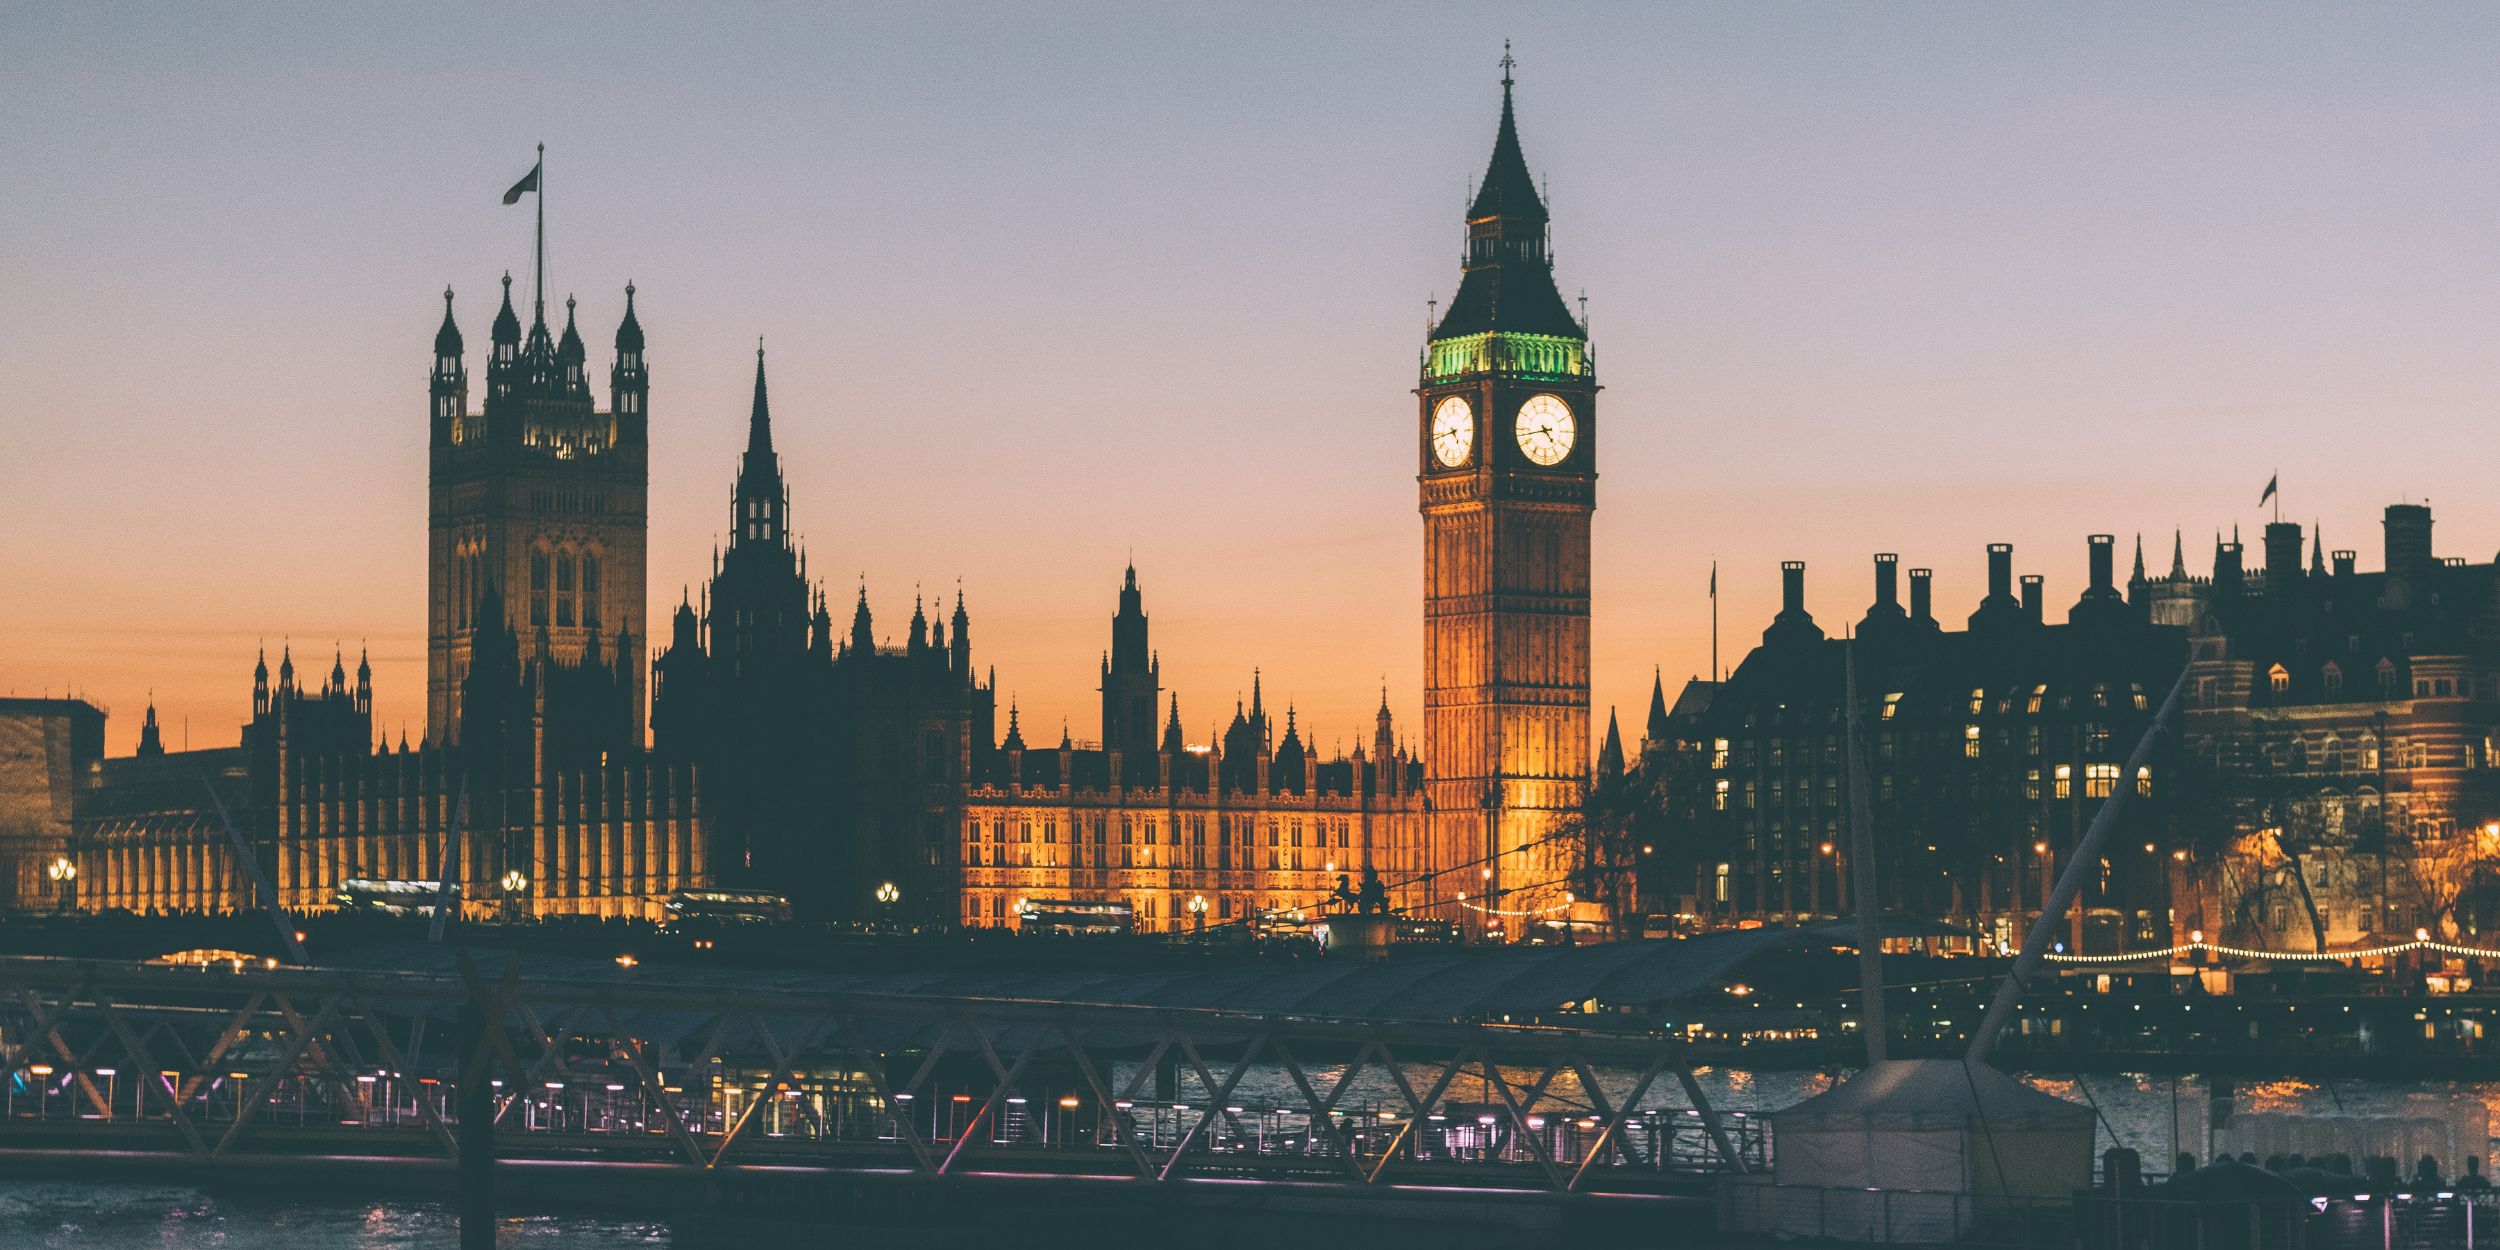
1506, 444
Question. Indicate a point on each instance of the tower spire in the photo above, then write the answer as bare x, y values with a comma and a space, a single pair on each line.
1509, 282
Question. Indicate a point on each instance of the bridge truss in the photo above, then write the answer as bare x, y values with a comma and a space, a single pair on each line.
243, 1060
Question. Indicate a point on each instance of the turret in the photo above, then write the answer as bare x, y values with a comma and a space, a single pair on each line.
364, 682
260, 684
504, 366
570, 356
916, 640
629, 380
959, 638
1654, 733
150, 741
1610, 756
863, 637
449, 381
759, 507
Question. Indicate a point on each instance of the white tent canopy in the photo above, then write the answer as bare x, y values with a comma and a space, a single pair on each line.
1937, 1125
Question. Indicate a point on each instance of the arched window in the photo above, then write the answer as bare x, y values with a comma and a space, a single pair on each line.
2278, 679
564, 588
539, 576
2387, 679
590, 591
2331, 678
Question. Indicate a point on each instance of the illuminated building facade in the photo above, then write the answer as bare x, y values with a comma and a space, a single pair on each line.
1251, 826
321, 805
1506, 454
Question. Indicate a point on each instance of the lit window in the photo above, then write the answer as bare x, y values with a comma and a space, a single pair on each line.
1892, 704
2099, 780
2279, 679
2144, 781
2065, 781
1970, 741
1718, 796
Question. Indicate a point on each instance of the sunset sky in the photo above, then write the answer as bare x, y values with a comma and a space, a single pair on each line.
1048, 285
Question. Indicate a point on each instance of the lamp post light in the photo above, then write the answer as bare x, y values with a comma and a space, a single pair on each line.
515, 884
64, 875
887, 896
1198, 915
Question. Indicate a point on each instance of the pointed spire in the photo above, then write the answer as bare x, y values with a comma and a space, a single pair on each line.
1610, 756
2138, 575
2178, 554
1172, 743
447, 339
2317, 550
629, 331
507, 326
863, 639
760, 418
1509, 280
1015, 729
569, 348
1657, 727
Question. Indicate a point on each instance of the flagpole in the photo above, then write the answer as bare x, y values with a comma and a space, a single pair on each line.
538, 284
1714, 620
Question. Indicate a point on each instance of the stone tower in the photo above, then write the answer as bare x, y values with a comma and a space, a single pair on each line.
1506, 443
540, 497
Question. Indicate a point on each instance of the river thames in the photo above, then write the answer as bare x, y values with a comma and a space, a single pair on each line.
2143, 1112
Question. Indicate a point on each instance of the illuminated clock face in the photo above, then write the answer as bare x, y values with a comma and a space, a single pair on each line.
1453, 431
1546, 429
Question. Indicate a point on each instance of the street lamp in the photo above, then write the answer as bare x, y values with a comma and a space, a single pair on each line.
1198, 914
515, 884
887, 896
63, 873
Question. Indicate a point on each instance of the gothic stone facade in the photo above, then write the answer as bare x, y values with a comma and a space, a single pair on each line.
1252, 826
1506, 446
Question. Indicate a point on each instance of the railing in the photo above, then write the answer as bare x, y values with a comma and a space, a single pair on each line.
191, 1062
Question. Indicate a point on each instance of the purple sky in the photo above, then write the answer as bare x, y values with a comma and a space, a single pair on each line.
1047, 286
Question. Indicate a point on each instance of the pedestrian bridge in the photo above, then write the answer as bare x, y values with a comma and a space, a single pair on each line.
1360, 1077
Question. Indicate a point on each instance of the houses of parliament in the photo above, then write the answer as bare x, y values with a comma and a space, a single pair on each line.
578, 760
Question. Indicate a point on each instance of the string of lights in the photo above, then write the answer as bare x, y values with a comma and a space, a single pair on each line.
2421, 943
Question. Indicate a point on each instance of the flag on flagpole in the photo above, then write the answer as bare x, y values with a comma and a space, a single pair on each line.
2261, 499
528, 183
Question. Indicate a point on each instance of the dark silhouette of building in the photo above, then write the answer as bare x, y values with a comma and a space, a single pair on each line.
540, 499
831, 766
2333, 778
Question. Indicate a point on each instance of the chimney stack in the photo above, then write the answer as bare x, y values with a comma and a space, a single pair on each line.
2000, 570
2344, 561
2104, 553
1792, 586
2408, 537
2031, 598
1923, 596
1887, 584
2282, 554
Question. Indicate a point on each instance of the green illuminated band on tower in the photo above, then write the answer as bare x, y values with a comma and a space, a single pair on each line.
1499, 351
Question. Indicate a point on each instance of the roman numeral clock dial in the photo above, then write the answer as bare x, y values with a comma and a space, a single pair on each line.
1546, 430
1453, 431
